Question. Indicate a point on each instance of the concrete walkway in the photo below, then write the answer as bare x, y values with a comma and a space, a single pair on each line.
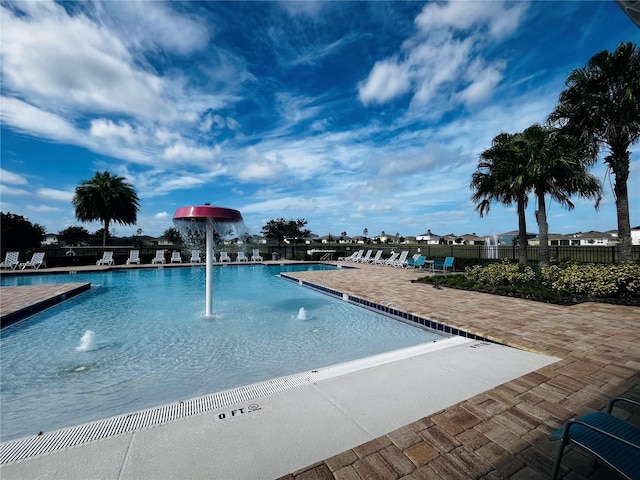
494, 432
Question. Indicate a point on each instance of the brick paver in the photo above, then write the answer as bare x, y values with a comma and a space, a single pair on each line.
500, 433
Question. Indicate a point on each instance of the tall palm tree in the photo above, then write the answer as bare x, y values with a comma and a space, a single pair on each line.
601, 105
556, 165
106, 198
501, 177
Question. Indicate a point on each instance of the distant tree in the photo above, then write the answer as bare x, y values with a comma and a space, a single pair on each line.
601, 105
19, 234
282, 229
173, 235
106, 198
72, 235
276, 230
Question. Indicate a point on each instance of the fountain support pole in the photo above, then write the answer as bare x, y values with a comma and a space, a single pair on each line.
215, 221
209, 271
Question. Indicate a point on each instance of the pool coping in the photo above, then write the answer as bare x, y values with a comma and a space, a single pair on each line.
21, 310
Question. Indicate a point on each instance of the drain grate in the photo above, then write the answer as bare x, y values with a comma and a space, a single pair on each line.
13, 451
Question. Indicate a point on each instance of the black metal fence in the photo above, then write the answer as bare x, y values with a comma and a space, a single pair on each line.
465, 254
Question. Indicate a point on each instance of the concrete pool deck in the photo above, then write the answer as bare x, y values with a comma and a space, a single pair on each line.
384, 420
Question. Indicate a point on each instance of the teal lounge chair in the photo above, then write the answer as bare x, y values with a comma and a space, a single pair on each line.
612, 441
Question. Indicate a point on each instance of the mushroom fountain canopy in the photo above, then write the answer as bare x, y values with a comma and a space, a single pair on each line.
192, 224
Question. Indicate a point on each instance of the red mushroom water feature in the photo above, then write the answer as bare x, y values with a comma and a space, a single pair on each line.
209, 224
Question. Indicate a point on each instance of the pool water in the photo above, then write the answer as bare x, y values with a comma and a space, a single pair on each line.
139, 338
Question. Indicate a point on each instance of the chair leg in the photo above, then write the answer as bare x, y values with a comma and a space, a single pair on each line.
558, 461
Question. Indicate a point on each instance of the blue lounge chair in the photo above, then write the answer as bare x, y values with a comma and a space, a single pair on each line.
440, 265
416, 261
611, 440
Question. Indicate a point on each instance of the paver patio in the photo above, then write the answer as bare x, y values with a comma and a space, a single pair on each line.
501, 433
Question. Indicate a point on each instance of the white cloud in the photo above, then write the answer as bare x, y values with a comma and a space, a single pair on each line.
386, 81
29, 119
5, 190
13, 178
54, 194
499, 19
71, 61
155, 25
189, 154
42, 208
438, 62
162, 216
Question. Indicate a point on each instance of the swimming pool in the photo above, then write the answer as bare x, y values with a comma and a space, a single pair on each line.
151, 343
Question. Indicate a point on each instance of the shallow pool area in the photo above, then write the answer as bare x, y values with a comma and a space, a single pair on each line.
139, 339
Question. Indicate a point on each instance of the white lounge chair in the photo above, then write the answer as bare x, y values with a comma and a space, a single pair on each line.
376, 258
107, 259
241, 257
402, 260
159, 258
389, 261
366, 258
357, 256
224, 257
348, 258
10, 260
134, 257
176, 257
256, 255
37, 260
195, 256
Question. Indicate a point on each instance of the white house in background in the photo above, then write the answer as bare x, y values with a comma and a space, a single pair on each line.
428, 238
50, 239
598, 239
635, 235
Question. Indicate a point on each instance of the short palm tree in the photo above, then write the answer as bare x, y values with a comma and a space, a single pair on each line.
500, 177
556, 165
601, 105
106, 198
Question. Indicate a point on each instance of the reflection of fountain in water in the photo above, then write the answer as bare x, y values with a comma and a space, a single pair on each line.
87, 341
202, 227
302, 314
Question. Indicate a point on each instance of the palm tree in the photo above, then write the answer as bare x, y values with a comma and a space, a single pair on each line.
601, 105
501, 177
106, 198
556, 165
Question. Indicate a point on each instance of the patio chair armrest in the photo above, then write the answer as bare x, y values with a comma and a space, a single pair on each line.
615, 400
579, 421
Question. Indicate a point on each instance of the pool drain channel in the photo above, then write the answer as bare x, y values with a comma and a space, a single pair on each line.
13, 451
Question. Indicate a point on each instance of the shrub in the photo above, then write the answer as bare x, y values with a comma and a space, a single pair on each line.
503, 273
596, 280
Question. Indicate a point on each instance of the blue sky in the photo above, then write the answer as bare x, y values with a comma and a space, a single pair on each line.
351, 115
